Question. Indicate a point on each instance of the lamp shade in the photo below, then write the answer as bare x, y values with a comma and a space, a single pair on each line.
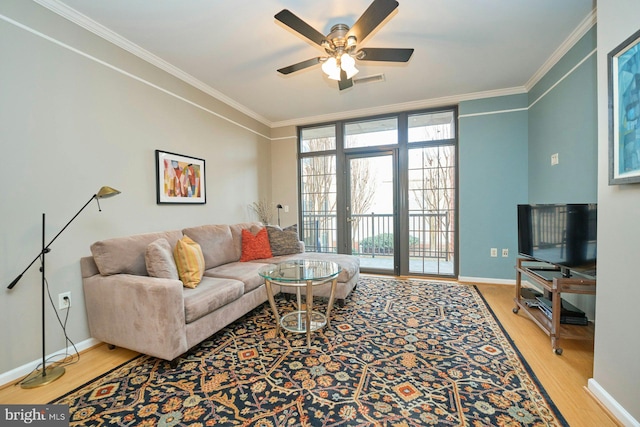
331, 69
106, 192
348, 64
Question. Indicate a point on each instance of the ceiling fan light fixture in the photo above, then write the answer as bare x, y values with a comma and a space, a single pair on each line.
341, 44
348, 64
331, 69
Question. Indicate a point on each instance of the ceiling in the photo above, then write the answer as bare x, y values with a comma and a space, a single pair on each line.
464, 49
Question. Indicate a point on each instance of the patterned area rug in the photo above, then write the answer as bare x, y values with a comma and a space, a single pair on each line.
399, 353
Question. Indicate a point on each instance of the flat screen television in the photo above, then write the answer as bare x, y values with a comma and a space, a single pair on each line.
560, 234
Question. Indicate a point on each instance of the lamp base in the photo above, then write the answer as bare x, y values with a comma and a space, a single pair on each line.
37, 379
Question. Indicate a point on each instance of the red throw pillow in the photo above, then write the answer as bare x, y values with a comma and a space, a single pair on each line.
255, 246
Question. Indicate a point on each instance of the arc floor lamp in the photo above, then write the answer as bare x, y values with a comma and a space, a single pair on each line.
45, 375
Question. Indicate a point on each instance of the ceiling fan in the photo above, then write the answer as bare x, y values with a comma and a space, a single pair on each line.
341, 44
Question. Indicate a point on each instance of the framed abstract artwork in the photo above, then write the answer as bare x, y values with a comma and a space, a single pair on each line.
180, 179
624, 112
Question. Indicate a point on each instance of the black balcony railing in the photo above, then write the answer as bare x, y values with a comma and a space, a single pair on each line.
372, 234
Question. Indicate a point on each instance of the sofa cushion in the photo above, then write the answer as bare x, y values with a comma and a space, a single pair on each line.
255, 246
283, 242
125, 255
211, 294
216, 243
247, 272
189, 261
159, 260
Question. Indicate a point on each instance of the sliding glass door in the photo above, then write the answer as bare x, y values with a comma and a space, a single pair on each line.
383, 189
371, 213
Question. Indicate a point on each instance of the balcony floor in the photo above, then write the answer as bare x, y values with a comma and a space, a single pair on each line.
417, 265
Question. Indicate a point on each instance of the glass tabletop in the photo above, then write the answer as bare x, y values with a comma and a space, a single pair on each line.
299, 270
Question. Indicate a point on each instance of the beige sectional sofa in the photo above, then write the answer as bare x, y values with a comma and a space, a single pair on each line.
127, 307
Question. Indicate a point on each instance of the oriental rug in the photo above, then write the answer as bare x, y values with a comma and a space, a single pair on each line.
399, 353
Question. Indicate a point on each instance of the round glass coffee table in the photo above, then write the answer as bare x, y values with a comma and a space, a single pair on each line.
301, 273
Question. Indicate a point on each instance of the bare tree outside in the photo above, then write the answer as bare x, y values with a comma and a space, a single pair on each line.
362, 190
369, 188
318, 180
319, 195
434, 194
319, 184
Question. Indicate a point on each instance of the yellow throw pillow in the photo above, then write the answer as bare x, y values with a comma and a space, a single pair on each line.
189, 261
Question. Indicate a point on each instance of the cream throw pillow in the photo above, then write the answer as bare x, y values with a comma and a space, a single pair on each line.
159, 260
189, 261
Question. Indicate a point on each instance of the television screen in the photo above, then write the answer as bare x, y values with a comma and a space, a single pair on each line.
560, 234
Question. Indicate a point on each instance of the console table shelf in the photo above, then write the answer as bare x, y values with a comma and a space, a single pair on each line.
555, 284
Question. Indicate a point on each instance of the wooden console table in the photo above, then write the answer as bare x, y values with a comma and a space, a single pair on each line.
555, 286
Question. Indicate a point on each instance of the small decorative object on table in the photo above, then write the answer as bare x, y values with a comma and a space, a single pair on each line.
263, 209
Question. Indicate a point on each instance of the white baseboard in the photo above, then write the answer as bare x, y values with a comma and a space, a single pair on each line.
21, 371
611, 404
466, 279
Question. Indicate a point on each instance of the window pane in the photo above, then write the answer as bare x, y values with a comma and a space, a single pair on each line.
371, 133
431, 126
318, 139
432, 209
319, 225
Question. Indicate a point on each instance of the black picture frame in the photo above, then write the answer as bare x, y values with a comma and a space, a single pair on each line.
180, 179
623, 65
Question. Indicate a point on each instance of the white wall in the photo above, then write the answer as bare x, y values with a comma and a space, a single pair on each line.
284, 177
69, 124
616, 376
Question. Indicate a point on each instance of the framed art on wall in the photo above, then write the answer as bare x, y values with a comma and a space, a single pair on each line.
624, 112
179, 179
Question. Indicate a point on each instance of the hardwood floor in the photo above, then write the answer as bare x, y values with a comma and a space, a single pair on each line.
564, 377
93, 363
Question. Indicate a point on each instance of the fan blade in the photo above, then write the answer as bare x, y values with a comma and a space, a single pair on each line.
296, 24
299, 66
371, 18
384, 54
344, 82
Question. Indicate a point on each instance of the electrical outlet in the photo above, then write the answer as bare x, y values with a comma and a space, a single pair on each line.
494, 252
505, 253
555, 159
64, 300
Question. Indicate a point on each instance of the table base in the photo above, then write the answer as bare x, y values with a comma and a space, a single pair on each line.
300, 316
296, 321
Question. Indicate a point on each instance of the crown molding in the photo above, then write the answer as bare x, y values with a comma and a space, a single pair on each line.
582, 29
405, 106
101, 31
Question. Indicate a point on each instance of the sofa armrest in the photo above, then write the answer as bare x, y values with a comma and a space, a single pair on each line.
88, 267
141, 313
